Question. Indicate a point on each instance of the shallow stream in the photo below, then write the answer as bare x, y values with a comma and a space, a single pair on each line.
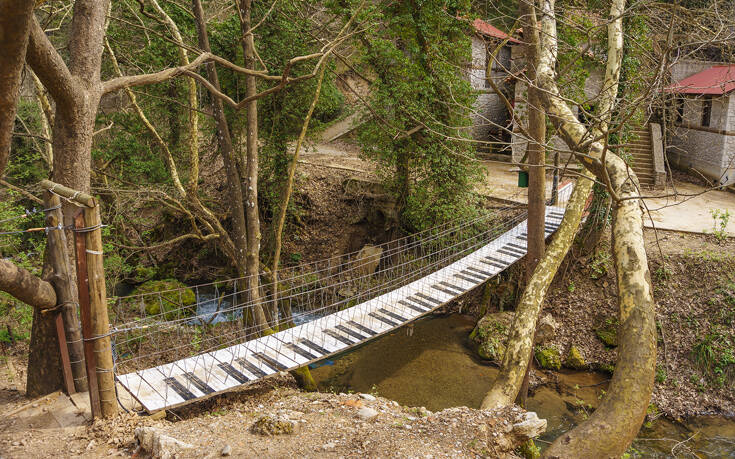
434, 368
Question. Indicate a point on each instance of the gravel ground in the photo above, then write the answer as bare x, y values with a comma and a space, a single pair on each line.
274, 419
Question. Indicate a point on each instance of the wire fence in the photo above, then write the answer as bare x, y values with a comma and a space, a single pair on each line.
155, 328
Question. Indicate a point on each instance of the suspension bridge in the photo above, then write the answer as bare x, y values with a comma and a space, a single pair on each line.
182, 345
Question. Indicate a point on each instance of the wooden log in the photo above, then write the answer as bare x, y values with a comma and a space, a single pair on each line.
73, 195
98, 309
66, 292
25, 286
85, 313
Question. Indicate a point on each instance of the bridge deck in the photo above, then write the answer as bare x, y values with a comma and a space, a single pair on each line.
201, 376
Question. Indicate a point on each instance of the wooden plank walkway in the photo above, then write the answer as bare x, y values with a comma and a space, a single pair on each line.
195, 378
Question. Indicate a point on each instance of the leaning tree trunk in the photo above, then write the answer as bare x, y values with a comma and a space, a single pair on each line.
612, 427
15, 21
508, 382
520, 347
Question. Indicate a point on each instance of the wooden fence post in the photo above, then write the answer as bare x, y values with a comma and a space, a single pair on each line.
85, 313
92, 300
66, 296
98, 309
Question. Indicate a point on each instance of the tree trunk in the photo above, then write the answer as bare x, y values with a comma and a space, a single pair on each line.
76, 90
240, 229
25, 286
612, 427
520, 341
15, 22
286, 197
536, 153
44, 360
252, 212
507, 384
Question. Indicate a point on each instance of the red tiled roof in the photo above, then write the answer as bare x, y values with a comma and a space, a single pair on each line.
484, 28
719, 79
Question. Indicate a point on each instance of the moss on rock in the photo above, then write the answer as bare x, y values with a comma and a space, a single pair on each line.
529, 450
548, 358
574, 359
608, 332
174, 295
490, 335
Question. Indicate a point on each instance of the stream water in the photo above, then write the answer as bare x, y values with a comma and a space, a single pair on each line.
434, 368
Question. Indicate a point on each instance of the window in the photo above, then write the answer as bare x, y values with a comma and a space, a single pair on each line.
706, 110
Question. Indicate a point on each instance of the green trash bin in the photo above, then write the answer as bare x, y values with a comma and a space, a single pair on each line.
523, 179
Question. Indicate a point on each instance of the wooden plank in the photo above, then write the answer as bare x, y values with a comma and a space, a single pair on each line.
85, 314
64, 352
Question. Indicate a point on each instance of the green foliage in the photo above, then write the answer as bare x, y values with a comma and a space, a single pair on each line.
280, 115
599, 264
25, 164
417, 53
529, 450
714, 355
720, 218
16, 319
24, 250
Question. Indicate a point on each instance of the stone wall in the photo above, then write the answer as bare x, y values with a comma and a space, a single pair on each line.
490, 114
708, 152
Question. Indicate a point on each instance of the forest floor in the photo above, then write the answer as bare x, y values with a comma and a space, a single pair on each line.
694, 288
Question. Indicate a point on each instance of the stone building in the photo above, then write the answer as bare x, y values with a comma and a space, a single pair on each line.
702, 128
490, 116
493, 124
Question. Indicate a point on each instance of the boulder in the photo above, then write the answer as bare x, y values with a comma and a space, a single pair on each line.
546, 329
367, 260
529, 426
366, 413
273, 425
491, 334
175, 295
158, 445
548, 358
607, 332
